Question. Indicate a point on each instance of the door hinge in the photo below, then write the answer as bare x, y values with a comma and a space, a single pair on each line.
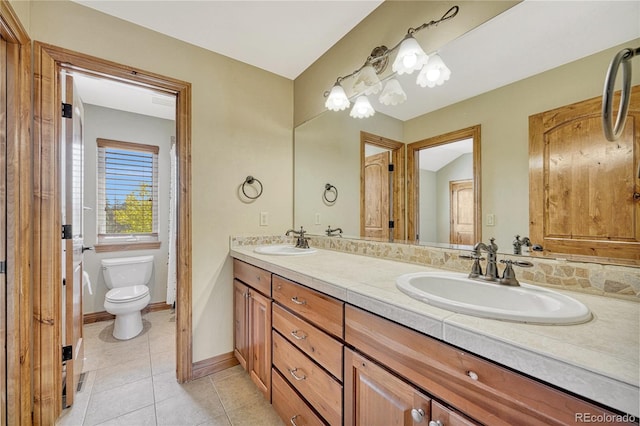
3, 267
67, 110
390, 167
64, 282
67, 233
67, 353
391, 224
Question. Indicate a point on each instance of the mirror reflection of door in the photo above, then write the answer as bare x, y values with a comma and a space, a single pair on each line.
444, 188
382, 206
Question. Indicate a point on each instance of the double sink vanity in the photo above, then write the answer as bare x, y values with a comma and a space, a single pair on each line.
338, 338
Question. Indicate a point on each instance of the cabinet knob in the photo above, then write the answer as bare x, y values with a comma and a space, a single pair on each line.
472, 374
417, 414
297, 301
295, 376
435, 423
298, 335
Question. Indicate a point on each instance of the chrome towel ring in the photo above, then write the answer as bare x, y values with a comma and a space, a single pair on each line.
328, 189
623, 57
249, 181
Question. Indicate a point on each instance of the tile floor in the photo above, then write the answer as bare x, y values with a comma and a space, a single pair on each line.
133, 383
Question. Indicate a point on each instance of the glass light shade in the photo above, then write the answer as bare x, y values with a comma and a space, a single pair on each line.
392, 93
362, 108
337, 99
435, 73
367, 81
410, 57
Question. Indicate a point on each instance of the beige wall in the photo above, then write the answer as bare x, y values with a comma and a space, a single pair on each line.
386, 25
241, 125
504, 117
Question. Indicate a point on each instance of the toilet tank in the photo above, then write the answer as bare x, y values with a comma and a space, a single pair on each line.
127, 271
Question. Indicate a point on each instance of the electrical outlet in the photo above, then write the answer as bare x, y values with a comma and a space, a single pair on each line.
317, 218
264, 218
491, 219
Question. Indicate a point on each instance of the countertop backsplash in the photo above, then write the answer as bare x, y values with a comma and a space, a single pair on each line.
621, 282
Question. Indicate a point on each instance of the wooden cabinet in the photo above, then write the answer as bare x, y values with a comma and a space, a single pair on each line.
289, 405
447, 417
373, 396
252, 324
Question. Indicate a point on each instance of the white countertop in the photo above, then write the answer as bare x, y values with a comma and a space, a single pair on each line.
599, 360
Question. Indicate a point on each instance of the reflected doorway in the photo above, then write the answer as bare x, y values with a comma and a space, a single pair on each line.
444, 188
381, 188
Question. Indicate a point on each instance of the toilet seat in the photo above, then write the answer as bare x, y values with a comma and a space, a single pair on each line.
127, 294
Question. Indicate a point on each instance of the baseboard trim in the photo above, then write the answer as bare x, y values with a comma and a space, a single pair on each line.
106, 316
213, 365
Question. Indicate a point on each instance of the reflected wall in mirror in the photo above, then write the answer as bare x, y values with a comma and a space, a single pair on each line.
381, 187
443, 175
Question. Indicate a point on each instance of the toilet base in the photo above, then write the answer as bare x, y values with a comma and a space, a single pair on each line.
127, 326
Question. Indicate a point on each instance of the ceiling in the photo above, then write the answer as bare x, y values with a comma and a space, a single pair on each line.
529, 38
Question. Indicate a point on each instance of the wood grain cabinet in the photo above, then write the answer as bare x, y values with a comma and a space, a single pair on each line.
307, 354
252, 323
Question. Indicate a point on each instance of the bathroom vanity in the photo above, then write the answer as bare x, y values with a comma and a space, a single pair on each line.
334, 342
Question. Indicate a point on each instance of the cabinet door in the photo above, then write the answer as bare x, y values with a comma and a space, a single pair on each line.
260, 342
373, 396
240, 323
442, 416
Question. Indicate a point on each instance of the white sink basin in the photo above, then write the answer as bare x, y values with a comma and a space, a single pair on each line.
283, 250
527, 303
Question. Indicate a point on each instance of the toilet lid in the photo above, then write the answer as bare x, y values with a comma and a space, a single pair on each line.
127, 294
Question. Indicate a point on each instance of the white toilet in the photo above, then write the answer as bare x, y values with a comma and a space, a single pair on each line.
127, 278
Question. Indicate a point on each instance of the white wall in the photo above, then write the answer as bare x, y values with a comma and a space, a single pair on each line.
242, 124
428, 206
106, 123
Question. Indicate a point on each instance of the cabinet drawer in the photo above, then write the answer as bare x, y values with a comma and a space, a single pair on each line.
253, 276
322, 310
324, 349
440, 413
484, 391
289, 406
321, 391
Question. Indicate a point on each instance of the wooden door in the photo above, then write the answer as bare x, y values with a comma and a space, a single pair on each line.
373, 396
240, 321
585, 191
462, 211
442, 414
72, 244
376, 196
3, 228
260, 342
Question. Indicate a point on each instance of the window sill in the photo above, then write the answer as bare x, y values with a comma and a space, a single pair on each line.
127, 246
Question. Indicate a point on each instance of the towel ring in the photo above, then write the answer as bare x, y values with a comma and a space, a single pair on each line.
623, 57
327, 189
250, 180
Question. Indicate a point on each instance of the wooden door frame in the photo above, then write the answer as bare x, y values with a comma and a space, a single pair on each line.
48, 60
397, 158
413, 176
19, 197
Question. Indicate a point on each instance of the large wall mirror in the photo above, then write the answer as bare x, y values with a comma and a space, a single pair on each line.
327, 147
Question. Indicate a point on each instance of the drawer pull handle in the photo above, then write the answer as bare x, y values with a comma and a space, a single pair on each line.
297, 301
297, 336
435, 423
417, 414
472, 374
293, 420
295, 376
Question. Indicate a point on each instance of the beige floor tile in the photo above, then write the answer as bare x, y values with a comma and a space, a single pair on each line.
192, 407
162, 342
237, 391
121, 374
118, 401
74, 415
166, 386
145, 416
261, 414
163, 362
221, 375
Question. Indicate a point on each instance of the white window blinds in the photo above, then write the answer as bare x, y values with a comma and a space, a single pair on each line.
127, 190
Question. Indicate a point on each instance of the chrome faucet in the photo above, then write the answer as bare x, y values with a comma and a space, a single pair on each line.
302, 241
491, 273
330, 232
518, 243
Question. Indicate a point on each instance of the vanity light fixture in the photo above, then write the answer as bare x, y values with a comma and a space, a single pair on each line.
410, 58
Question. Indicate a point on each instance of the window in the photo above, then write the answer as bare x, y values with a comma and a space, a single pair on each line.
127, 192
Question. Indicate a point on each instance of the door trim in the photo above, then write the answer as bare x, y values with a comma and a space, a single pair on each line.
17, 407
46, 299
